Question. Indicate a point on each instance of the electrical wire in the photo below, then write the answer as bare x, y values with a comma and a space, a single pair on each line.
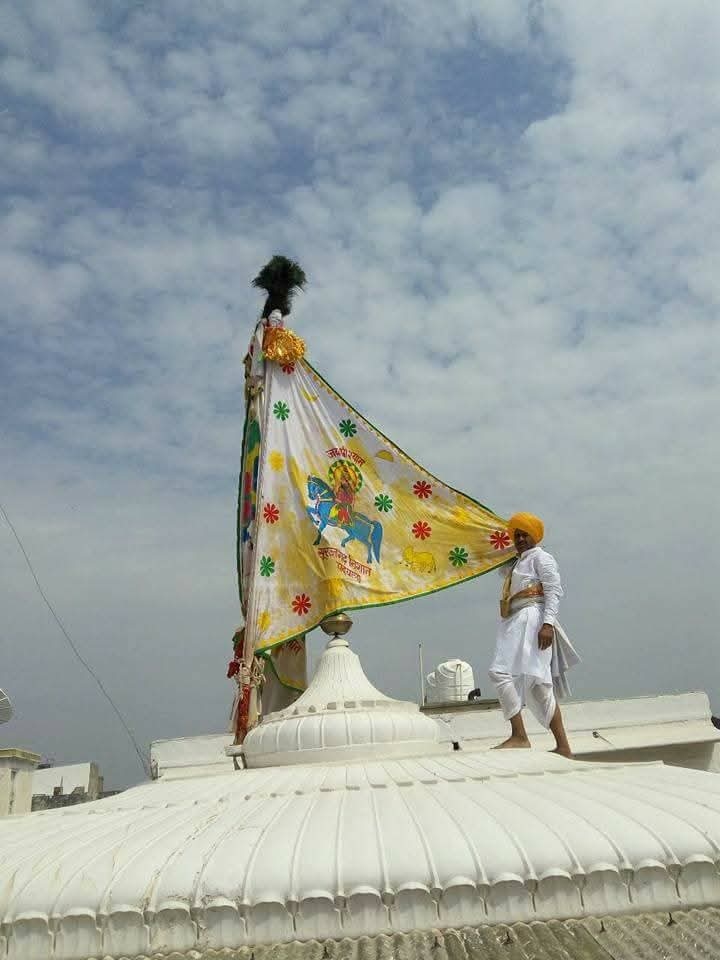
141, 756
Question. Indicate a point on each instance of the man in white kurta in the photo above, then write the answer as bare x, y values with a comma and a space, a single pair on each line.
532, 651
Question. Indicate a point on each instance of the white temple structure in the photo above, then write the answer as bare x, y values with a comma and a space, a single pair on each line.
450, 682
352, 829
16, 771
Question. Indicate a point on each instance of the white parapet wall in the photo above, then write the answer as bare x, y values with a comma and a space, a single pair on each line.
190, 756
674, 728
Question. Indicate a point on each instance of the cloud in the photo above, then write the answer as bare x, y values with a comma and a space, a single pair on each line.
507, 213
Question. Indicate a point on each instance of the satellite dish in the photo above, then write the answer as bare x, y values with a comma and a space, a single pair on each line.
5, 707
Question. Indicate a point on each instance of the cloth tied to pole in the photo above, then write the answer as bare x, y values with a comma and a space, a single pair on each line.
282, 345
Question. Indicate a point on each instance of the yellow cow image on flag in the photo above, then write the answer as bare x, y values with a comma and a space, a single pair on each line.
345, 519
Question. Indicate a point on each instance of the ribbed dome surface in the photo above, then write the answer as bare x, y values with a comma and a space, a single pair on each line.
315, 851
388, 835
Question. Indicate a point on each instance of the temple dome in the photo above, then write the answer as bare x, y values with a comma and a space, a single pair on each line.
312, 851
358, 846
341, 717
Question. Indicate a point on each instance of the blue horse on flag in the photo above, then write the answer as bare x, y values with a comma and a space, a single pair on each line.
324, 513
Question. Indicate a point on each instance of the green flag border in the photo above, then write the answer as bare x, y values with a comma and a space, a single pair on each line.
238, 517
265, 652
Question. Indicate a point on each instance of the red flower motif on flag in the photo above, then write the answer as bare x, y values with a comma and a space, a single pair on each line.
271, 513
500, 539
288, 368
421, 530
422, 489
301, 604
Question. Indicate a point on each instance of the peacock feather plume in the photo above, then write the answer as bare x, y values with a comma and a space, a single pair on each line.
281, 279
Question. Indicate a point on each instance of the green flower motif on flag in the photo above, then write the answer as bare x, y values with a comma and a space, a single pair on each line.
383, 503
458, 556
267, 566
281, 410
347, 428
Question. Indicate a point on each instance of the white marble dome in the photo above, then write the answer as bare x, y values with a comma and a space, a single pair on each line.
298, 850
341, 717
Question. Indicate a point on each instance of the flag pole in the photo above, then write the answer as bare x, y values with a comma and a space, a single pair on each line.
280, 279
422, 675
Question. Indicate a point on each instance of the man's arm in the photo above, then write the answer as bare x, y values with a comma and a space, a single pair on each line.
547, 572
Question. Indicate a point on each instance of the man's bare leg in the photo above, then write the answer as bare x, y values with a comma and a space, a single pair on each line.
518, 737
557, 728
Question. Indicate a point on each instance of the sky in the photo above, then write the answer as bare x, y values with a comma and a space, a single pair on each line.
508, 215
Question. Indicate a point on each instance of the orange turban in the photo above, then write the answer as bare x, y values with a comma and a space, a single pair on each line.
529, 523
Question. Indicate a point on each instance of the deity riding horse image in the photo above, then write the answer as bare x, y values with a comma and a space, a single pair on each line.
332, 505
345, 479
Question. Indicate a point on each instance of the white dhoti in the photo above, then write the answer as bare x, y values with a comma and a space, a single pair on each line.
521, 671
514, 693
523, 674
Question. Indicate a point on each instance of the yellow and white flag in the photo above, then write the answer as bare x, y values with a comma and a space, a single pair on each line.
343, 519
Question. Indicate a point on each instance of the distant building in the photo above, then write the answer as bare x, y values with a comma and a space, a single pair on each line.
16, 777
16, 770
66, 785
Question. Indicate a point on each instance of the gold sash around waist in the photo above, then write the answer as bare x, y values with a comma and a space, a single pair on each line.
520, 599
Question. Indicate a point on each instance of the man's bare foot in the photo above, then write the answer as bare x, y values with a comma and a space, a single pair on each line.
563, 752
512, 742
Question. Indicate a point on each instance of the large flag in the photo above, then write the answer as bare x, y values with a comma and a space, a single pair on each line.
342, 518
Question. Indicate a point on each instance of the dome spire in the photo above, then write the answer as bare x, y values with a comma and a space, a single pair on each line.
341, 716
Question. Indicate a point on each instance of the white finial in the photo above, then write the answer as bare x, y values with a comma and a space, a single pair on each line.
341, 716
